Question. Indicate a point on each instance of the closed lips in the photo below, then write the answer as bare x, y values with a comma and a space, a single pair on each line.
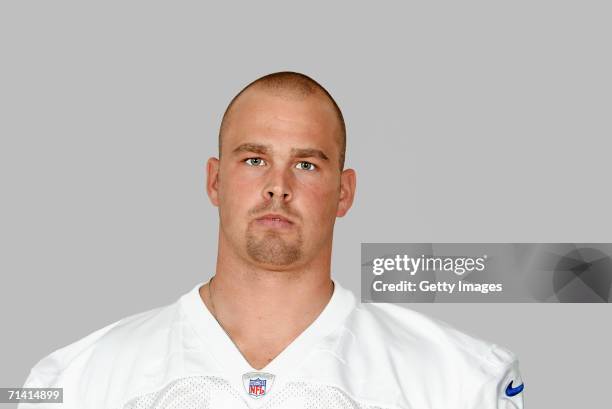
274, 217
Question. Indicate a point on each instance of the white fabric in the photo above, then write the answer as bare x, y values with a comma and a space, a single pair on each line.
353, 355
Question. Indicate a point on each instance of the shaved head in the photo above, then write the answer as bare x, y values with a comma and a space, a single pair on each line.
292, 86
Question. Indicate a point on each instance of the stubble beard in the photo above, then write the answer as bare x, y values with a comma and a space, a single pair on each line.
272, 248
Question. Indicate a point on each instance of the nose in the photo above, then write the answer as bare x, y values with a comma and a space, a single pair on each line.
278, 187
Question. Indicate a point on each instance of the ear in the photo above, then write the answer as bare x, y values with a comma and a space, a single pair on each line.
348, 182
212, 180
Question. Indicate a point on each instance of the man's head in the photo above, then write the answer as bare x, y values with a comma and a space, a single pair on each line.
289, 85
281, 151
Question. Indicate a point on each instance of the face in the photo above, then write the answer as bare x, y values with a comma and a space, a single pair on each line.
280, 155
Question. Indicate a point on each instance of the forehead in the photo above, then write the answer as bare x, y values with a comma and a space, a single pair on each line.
283, 119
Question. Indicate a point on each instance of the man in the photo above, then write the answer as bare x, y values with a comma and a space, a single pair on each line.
271, 329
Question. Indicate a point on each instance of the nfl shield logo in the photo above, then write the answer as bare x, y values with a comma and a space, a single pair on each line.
257, 387
257, 384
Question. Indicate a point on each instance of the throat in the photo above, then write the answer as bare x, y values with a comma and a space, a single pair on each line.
260, 353
262, 335
260, 344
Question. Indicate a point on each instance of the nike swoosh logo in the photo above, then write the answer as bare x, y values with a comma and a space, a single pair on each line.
510, 391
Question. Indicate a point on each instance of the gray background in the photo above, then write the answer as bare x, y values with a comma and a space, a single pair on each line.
470, 122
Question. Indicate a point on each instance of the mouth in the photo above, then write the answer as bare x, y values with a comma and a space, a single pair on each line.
275, 221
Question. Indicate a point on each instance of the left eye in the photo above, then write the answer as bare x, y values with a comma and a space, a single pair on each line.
306, 166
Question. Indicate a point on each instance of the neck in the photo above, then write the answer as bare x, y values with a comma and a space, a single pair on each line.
256, 305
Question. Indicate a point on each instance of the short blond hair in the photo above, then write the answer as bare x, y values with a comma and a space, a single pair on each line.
296, 84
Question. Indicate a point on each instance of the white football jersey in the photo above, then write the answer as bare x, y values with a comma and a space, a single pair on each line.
359, 356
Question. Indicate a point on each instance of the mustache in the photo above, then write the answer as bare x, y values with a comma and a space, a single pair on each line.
273, 209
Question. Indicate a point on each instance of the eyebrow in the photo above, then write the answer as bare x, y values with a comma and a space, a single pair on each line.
296, 152
252, 147
308, 153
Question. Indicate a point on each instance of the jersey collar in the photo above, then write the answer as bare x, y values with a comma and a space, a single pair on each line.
232, 364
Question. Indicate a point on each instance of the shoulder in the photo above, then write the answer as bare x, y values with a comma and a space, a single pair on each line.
403, 326
108, 356
415, 352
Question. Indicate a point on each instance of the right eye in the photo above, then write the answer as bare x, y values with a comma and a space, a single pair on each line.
254, 161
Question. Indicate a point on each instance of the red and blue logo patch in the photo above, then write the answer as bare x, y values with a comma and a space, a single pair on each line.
257, 384
257, 387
